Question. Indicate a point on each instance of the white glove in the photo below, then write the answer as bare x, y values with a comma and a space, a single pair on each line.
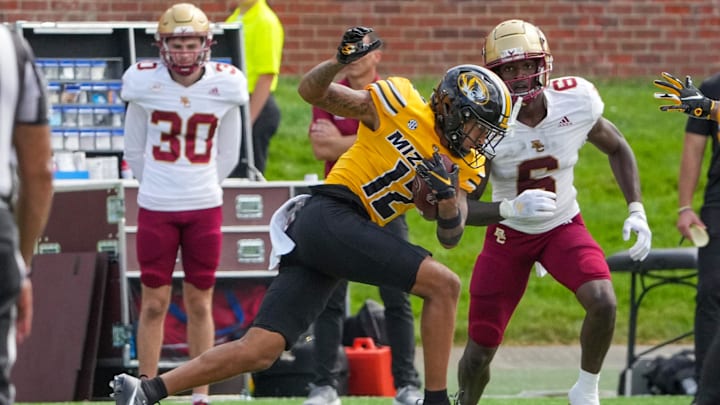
637, 222
530, 203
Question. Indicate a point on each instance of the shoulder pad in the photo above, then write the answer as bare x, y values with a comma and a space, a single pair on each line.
136, 78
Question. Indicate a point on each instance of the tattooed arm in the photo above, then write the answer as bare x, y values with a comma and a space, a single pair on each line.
317, 88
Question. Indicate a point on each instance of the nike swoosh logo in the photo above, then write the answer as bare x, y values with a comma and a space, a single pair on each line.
696, 97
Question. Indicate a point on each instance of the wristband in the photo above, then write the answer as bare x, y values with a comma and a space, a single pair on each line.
505, 209
450, 240
684, 208
449, 223
636, 206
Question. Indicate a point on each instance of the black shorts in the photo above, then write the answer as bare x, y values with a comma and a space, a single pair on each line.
335, 240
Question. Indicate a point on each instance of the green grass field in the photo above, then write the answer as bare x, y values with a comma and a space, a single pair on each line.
548, 313
637, 400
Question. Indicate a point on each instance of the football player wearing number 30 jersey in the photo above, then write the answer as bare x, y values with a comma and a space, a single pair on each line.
556, 119
182, 138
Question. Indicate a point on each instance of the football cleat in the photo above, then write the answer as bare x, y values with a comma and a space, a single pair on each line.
322, 395
127, 391
408, 395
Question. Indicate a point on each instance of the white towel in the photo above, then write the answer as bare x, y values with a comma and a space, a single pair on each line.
280, 241
540, 270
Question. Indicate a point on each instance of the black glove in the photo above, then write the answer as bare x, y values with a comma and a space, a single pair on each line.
685, 97
352, 46
435, 174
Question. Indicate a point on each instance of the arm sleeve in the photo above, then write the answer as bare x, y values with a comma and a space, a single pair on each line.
228, 143
135, 136
33, 104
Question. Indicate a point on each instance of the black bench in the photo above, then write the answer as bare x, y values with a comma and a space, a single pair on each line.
646, 276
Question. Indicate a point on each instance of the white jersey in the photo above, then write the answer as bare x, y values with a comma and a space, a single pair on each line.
545, 156
180, 140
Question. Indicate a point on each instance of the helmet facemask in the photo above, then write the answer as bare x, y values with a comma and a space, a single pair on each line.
458, 128
530, 86
173, 58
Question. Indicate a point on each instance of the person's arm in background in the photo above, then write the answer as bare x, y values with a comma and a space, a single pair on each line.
135, 136
690, 167
327, 142
265, 55
260, 95
33, 151
34, 155
685, 97
228, 143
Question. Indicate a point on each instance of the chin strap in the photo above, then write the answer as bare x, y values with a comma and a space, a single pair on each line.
513, 116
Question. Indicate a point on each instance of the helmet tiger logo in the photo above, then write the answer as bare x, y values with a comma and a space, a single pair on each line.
473, 88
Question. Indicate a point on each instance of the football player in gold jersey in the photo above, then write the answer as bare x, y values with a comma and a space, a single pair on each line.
337, 232
399, 131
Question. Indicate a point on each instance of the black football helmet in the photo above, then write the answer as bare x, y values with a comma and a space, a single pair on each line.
471, 93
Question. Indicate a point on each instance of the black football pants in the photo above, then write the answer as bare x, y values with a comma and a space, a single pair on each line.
328, 330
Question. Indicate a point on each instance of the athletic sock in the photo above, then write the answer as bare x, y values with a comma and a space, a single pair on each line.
436, 398
200, 398
585, 390
154, 389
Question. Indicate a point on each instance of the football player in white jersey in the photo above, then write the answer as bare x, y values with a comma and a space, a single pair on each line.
181, 140
557, 117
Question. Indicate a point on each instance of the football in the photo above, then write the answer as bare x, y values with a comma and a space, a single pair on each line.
423, 197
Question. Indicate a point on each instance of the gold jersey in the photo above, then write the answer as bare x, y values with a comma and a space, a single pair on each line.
380, 166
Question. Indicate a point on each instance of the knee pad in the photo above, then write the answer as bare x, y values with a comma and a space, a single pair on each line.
485, 333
